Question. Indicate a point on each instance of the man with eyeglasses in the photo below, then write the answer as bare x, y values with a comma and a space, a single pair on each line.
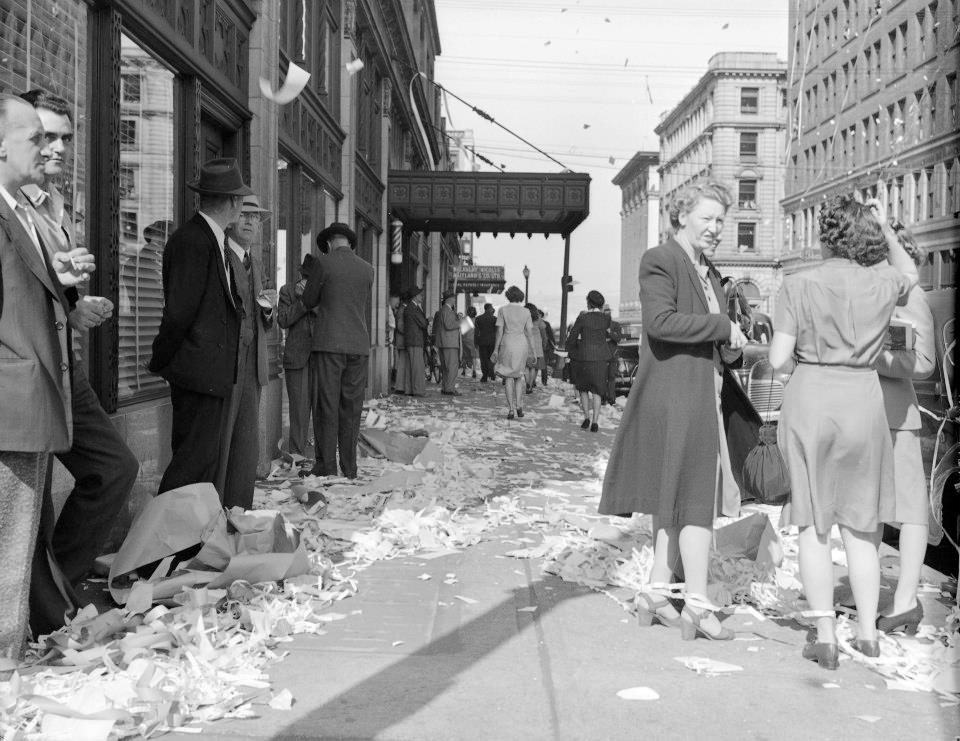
103, 468
241, 435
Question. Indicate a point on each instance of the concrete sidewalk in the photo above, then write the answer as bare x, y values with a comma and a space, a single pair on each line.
527, 656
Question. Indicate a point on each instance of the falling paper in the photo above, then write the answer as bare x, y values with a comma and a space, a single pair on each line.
294, 83
353, 67
532, 608
638, 693
467, 600
868, 718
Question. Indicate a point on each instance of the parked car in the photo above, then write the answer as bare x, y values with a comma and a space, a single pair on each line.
627, 358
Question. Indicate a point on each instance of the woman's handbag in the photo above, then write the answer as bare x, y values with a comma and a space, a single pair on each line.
765, 474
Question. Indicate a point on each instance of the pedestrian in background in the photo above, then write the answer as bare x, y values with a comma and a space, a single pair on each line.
899, 367
415, 339
513, 349
549, 346
300, 376
241, 432
588, 343
614, 335
485, 338
103, 468
833, 431
399, 345
670, 458
536, 342
468, 344
339, 287
36, 417
195, 349
447, 332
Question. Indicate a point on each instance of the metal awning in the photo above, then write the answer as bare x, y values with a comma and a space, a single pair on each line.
502, 203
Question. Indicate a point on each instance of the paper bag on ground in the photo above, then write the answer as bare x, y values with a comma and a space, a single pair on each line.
394, 446
171, 523
260, 531
259, 567
752, 537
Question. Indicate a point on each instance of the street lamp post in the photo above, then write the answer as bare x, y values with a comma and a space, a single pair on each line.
526, 282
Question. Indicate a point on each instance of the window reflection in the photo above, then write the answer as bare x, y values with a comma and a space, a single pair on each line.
146, 212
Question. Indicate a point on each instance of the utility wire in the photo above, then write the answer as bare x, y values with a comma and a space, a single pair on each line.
483, 114
468, 148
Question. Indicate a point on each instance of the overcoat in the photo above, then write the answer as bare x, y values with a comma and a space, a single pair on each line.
664, 457
340, 287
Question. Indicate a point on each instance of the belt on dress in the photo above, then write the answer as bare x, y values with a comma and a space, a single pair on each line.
839, 366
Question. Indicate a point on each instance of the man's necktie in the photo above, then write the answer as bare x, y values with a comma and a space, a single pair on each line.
226, 263
246, 261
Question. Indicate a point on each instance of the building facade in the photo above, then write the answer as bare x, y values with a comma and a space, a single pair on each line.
639, 226
873, 110
731, 127
158, 87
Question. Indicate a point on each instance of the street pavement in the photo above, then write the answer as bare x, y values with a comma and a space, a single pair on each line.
491, 648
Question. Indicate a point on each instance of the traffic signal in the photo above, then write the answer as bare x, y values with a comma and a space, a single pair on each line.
567, 283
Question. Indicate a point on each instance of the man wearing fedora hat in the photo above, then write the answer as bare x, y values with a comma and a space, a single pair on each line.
300, 324
339, 285
195, 349
414, 339
448, 342
241, 431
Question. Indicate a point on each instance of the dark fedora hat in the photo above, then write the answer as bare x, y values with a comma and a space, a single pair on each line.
306, 267
221, 177
337, 227
414, 292
447, 294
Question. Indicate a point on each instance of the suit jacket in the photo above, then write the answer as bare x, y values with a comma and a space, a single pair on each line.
414, 326
196, 345
485, 333
899, 368
340, 287
448, 331
300, 323
35, 403
264, 321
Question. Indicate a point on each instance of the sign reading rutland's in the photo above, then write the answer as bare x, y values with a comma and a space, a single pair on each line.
479, 278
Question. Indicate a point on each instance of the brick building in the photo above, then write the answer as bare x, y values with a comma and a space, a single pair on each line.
639, 226
159, 87
731, 127
873, 101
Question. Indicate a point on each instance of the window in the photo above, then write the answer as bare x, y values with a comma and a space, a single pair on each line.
894, 49
747, 193
750, 99
929, 189
902, 51
918, 197
746, 236
748, 145
934, 26
875, 74
148, 152
952, 100
852, 140
128, 133
128, 182
130, 88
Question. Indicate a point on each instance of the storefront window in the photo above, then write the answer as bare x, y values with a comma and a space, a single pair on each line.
283, 198
146, 213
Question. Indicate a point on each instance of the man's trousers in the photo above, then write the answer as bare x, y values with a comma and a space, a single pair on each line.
449, 366
416, 372
300, 403
486, 364
196, 439
241, 434
336, 418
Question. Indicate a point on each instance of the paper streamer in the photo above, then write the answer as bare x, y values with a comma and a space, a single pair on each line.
355, 66
293, 85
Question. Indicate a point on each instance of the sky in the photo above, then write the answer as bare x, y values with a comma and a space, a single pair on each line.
572, 77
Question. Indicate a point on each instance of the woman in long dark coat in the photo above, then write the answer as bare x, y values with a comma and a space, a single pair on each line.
669, 458
591, 352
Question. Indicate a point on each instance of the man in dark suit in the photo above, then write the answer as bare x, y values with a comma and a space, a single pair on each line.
35, 407
448, 343
300, 324
414, 338
340, 286
241, 432
102, 466
195, 349
485, 338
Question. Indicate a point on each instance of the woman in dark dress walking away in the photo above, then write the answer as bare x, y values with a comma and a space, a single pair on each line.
670, 455
833, 427
589, 345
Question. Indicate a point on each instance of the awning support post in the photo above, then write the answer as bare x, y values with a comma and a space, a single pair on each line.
563, 288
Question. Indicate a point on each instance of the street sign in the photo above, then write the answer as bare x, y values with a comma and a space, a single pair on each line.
479, 278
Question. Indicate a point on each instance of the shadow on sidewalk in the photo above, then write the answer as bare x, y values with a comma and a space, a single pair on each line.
402, 689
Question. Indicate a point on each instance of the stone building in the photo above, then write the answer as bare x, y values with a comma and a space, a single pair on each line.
158, 87
731, 127
639, 226
873, 110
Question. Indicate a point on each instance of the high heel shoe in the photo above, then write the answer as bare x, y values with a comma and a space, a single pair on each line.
827, 655
510, 415
648, 611
585, 425
870, 649
690, 624
519, 412
908, 621
594, 427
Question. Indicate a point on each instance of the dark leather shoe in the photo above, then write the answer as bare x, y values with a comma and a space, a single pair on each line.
908, 621
585, 425
827, 655
870, 649
594, 427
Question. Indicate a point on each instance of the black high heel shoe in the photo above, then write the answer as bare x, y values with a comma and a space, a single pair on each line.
594, 427
585, 425
519, 412
908, 621
690, 625
827, 655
